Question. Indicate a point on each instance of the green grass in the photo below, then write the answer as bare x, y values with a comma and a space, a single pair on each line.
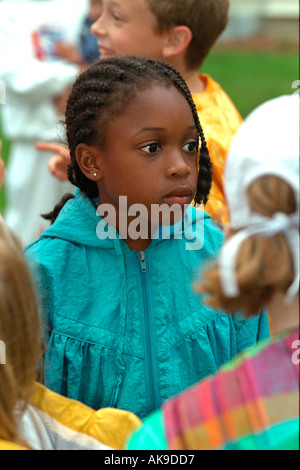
250, 78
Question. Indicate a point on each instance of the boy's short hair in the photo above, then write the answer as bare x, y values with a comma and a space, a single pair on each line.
206, 19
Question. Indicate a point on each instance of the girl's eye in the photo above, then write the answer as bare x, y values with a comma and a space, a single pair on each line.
151, 148
190, 146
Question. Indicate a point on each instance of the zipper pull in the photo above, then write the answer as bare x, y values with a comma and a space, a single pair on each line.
142, 258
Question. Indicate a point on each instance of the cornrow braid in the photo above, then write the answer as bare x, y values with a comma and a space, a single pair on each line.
205, 171
205, 165
102, 92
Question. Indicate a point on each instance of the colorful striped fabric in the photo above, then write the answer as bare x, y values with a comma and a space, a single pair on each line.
252, 404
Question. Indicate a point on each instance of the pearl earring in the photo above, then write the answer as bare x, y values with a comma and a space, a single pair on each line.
95, 174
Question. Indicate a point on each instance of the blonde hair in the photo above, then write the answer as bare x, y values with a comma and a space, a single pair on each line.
19, 332
264, 265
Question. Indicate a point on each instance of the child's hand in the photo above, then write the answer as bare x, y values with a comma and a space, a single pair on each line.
58, 163
2, 168
69, 52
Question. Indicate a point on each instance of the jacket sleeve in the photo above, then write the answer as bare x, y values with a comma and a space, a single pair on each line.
23, 74
251, 330
151, 436
71, 423
36, 79
43, 275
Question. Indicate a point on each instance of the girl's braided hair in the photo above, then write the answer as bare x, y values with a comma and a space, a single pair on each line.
101, 93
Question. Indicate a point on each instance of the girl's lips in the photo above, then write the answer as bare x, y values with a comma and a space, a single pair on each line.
181, 195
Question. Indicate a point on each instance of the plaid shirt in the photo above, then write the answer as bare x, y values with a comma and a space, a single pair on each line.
252, 404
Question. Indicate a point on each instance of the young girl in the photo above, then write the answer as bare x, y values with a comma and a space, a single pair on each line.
30, 415
253, 403
125, 328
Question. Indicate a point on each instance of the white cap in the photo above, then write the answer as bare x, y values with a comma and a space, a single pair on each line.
267, 143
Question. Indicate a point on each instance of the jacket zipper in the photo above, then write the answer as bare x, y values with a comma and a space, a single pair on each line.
149, 338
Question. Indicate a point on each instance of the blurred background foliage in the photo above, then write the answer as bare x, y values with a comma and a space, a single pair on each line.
252, 77
257, 57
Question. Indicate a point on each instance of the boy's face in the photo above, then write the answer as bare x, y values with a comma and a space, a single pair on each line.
127, 27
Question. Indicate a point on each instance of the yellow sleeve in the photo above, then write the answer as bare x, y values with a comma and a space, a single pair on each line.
220, 121
110, 426
6, 445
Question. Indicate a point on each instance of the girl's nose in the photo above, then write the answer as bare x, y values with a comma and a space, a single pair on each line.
177, 166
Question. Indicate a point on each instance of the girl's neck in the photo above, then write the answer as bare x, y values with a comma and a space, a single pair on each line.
142, 243
137, 245
284, 316
114, 219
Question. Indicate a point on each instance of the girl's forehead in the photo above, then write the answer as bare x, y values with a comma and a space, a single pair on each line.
157, 98
161, 95
158, 107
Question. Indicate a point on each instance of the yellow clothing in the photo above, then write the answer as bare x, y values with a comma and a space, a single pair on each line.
5, 445
220, 121
54, 422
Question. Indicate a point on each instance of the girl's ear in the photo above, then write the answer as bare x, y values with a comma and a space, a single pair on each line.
86, 157
177, 41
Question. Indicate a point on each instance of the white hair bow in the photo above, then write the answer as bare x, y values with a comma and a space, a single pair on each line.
280, 222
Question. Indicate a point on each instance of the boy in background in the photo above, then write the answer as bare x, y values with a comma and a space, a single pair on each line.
87, 51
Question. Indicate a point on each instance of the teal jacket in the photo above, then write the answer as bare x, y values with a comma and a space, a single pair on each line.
125, 329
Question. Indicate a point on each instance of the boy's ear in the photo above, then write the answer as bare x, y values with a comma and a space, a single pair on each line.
177, 41
86, 157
